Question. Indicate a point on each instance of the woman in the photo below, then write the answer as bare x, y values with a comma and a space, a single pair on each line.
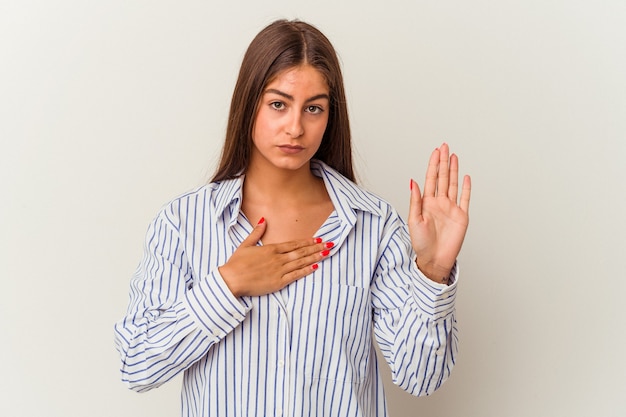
276, 318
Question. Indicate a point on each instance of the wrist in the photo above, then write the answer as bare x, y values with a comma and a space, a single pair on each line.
434, 272
225, 274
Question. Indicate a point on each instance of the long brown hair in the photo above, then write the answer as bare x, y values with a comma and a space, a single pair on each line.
280, 46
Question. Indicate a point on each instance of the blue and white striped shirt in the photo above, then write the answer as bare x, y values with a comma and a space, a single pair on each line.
306, 350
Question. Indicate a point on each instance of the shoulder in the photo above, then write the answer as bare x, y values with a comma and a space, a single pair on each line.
206, 200
202, 193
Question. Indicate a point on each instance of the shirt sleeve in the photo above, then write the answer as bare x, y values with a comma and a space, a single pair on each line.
414, 317
172, 320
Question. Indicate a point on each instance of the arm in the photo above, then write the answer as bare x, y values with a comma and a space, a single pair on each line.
174, 319
170, 324
414, 317
414, 308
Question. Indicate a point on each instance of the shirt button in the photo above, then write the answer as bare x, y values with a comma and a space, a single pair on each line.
279, 411
281, 363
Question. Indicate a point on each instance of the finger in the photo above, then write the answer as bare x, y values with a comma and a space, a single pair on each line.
296, 274
415, 203
444, 170
304, 265
305, 261
258, 231
306, 255
295, 245
453, 189
465, 193
430, 185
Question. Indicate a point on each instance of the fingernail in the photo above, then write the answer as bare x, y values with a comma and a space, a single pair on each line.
318, 240
329, 245
261, 220
325, 252
314, 266
411, 185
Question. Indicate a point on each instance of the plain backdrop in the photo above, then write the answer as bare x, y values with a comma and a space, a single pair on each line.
108, 109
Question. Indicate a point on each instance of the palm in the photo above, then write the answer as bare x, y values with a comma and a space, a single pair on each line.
437, 223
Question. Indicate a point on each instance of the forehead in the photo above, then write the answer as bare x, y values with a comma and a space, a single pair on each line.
302, 77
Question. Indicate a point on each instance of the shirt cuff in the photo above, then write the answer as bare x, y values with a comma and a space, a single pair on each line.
214, 307
434, 299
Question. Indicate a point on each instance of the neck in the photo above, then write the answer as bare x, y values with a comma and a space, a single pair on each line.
276, 184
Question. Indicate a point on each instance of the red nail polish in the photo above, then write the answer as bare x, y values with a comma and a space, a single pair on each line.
318, 240
261, 220
329, 245
314, 266
411, 185
325, 252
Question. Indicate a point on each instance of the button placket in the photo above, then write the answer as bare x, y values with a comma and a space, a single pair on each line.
282, 361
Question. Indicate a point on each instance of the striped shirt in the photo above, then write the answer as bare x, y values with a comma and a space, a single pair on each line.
306, 350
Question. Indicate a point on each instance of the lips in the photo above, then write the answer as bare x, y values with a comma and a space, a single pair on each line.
291, 149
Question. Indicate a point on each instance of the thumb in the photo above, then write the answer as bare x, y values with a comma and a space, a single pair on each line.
415, 203
256, 234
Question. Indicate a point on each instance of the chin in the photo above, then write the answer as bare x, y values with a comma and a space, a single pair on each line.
291, 163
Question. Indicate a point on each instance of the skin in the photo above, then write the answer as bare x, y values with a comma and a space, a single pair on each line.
438, 219
292, 203
280, 188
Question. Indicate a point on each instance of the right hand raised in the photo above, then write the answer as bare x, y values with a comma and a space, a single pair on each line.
258, 270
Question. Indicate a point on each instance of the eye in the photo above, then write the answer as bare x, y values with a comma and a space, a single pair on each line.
314, 109
277, 105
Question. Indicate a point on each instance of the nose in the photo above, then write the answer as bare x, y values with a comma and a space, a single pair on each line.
295, 129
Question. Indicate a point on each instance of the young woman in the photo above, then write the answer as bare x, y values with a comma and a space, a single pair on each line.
265, 285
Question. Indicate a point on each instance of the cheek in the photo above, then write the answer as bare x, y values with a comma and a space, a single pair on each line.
263, 125
321, 129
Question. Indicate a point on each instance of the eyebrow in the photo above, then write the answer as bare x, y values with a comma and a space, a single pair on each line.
290, 97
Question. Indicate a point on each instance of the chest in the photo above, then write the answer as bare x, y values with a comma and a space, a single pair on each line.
209, 243
284, 223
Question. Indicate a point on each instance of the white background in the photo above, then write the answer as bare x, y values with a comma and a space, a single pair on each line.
108, 109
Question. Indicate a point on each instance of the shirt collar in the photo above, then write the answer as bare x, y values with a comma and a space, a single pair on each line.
347, 197
228, 193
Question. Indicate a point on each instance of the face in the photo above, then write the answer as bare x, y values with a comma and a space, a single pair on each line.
291, 120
